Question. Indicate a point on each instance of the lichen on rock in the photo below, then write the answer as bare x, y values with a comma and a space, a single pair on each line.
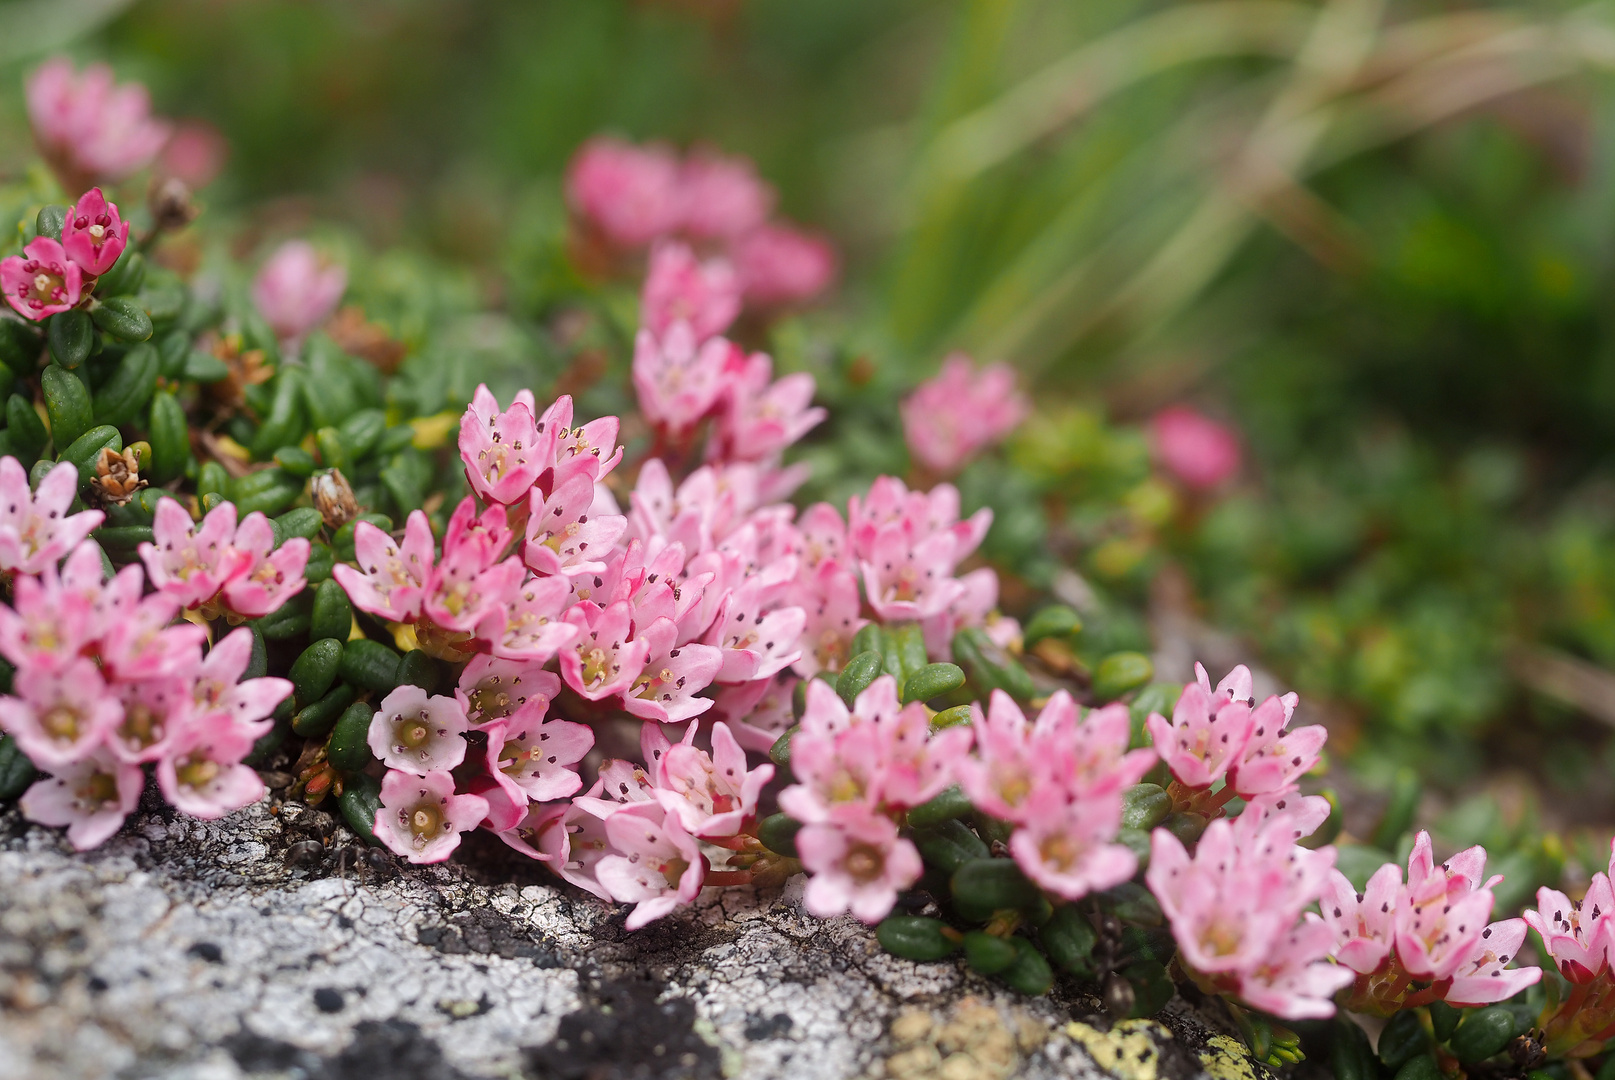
269, 944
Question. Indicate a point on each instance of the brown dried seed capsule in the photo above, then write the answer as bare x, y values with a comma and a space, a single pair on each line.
117, 475
1527, 1051
334, 499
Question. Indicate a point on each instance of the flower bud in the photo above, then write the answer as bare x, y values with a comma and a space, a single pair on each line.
171, 205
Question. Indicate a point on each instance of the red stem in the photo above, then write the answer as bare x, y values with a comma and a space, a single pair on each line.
721, 878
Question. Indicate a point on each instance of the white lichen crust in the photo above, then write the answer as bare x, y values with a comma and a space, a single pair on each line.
272, 945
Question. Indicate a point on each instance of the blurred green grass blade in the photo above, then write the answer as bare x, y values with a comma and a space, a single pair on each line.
919, 286
1069, 88
29, 28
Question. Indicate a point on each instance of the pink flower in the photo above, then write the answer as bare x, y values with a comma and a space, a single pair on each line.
906, 579
1364, 923
1066, 847
59, 716
1273, 760
631, 194
155, 711
202, 774
1079, 761
421, 818
857, 863
297, 290
139, 639
1578, 936
530, 629
879, 753
951, 418
712, 795
269, 576
722, 196
219, 697
678, 378
1435, 929
492, 688
589, 448
975, 604
1237, 685
192, 565
536, 759
35, 528
91, 796
50, 622
889, 504
781, 265
833, 770
417, 733
90, 129
666, 689
391, 579
503, 451
1197, 450
467, 585
757, 712
42, 281
1236, 910
571, 840
1442, 930
1206, 736
93, 235
755, 642
603, 661
656, 865
1482, 978
565, 533
762, 417
681, 288
470, 581
830, 605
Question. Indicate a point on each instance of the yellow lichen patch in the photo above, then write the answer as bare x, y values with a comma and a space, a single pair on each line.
1129, 1050
432, 432
976, 1042
1226, 1058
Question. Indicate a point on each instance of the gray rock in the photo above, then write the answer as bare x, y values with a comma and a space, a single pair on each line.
272, 945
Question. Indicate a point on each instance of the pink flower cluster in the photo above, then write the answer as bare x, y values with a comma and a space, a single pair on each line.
89, 128
1238, 907
633, 196
685, 373
107, 682
951, 418
1433, 930
1217, 735
219, 566
706, 595
297, 290
857, 771
636, 836
51, 276
1060, 781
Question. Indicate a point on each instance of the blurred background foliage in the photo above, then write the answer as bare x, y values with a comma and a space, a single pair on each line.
1378, 239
